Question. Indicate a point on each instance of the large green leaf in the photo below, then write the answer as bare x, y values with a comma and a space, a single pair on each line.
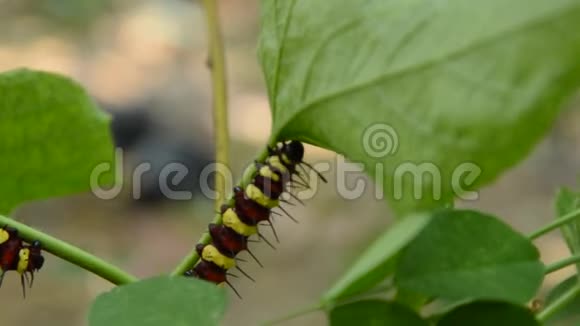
489, 313
377, 262
374, 313
469, 255
457, 82
52, 136
160, 301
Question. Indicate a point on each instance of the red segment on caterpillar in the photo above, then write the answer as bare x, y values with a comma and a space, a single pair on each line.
248, 210
227, 240
208, 271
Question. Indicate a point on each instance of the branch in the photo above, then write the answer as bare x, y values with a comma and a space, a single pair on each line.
562, 263
217, 66
71, 253
555, 224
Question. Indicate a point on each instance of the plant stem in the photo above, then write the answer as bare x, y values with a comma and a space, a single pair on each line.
555, 224
216, 63
71, 253
562, 263
295, 314
217, 66
559, 304
384, 288
192, 258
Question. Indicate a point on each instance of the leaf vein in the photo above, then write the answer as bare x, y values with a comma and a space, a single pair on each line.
281, 50
444, 58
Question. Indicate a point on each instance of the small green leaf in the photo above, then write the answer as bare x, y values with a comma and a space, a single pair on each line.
484, 313
374, 313
468, 255
467, 89
159, 301
570, 315
568, 201
52, 136
377, 262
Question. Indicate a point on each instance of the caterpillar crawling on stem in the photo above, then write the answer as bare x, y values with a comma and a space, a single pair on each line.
251, 207
15, 255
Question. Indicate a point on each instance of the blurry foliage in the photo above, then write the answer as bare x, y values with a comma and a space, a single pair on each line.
70, 17
68, 12
59, 11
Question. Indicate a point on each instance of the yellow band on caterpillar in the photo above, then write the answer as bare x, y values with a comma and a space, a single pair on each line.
267, 172
255, 194
212, 254
274, 161
285, 159
4, 236
231, 220
23, 256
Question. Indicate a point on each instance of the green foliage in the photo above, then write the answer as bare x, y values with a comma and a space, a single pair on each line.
568, 201
160, 301
571, 314
489, 313
378, 261
52, 135
470, 255
458, 81
374, 313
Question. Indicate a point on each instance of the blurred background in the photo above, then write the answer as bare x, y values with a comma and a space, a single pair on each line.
145, 62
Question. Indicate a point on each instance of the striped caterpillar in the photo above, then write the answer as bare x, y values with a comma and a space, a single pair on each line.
252, 206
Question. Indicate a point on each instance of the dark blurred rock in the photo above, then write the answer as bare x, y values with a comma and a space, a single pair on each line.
130, 126
146, 144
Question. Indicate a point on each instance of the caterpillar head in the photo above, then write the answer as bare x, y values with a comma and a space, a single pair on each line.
294, 151
36, 258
